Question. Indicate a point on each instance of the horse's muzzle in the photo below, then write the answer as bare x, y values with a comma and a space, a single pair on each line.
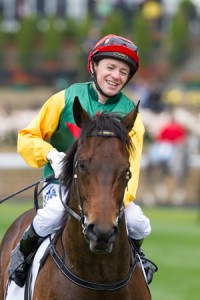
101, 239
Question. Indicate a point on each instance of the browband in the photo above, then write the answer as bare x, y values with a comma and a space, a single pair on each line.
103, 133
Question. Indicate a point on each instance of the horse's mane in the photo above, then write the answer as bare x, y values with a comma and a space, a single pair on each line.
105, 121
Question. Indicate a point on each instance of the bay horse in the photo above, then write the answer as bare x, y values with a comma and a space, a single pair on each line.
91, 257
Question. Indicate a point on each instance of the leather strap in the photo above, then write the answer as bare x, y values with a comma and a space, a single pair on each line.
87, 284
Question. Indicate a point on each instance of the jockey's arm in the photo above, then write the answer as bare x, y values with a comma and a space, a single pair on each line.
136, 134
33, 143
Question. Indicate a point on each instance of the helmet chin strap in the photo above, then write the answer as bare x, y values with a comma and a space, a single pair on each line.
94, 78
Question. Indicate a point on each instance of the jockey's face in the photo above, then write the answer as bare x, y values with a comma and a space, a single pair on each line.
111, 74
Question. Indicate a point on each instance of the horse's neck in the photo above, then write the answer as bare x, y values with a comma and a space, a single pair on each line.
88, 264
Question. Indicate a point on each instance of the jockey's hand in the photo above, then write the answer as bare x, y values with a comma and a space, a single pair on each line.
56, 160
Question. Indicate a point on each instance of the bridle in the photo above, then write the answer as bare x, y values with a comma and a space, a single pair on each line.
81, 218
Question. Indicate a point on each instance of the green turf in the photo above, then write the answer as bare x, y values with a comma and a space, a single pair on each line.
9, 211
174, 245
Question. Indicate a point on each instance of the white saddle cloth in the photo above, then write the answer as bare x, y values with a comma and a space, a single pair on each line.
14, 292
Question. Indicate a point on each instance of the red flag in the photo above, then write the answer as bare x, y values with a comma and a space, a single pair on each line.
74, 129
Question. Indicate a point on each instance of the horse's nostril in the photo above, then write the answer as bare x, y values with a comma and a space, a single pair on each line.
90, 232
115, 229
101, 234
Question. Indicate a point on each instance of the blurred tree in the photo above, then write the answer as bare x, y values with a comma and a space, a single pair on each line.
178, 39
189, 9
2, 47
25, 40
71, 29
142, 38
115, 23
83, 28
51, 40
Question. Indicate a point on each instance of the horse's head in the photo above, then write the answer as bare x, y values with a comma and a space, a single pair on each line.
100, 162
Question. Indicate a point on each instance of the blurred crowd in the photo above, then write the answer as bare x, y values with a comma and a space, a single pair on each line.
172, 143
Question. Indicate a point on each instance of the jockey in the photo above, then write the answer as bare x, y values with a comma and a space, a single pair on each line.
112, 63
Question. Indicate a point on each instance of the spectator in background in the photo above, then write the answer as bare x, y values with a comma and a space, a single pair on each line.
169, 151
154, 98
149, 91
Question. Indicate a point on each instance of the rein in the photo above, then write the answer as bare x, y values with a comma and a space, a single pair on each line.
36, 184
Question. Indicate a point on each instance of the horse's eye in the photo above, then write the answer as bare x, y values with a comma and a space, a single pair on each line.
81, 165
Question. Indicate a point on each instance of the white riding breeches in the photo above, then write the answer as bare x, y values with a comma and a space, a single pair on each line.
48, 218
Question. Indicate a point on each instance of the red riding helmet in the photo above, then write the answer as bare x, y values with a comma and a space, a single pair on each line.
113, 46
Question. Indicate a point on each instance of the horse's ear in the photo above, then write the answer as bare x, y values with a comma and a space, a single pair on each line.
130, 118
80, 115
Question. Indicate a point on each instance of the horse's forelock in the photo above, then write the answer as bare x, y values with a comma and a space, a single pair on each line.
109, 122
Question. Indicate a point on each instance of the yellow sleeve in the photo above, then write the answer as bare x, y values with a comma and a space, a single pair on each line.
33, 143
136, 134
